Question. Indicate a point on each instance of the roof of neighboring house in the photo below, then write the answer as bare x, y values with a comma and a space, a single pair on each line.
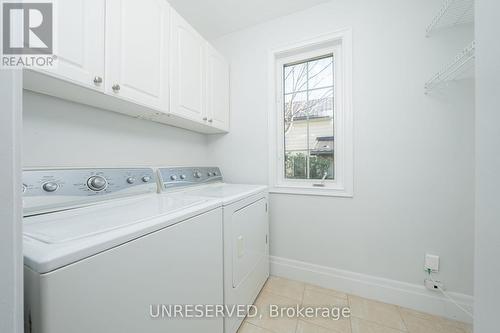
318, 108
324, 146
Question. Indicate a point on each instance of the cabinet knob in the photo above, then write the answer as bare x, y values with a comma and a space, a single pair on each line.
205, 118
97, 80
116, 87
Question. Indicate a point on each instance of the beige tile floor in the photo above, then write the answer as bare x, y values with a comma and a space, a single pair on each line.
367, 316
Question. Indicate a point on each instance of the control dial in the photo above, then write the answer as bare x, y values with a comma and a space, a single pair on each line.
197, 174
131, 180
183, 177
173, 177
50, 187
146, 179
97, 183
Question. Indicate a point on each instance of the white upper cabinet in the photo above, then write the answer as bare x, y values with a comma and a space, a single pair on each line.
136, 51
187, 71
138, 58
217, 90
80, 42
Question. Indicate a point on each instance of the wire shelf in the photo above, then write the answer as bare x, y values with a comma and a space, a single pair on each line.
453, 12
454, 69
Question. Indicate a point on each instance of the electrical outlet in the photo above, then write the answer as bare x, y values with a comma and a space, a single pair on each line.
433, 285
431, 262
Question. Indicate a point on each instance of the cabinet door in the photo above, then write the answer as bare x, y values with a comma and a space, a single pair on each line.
80, 42
217, 90
136, 51
187, 71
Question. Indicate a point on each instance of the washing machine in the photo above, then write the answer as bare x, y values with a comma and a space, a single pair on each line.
104, 253
245, 225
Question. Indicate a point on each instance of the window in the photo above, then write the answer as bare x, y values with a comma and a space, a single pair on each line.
311, 148
308, 118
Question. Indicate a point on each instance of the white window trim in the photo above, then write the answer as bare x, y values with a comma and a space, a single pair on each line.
339, 42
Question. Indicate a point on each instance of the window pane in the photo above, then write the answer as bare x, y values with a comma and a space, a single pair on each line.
296, 164
295, 78
321, 148
309, 120
321, 140
321, 73
321, 103
295, 106
296, 150
296, 136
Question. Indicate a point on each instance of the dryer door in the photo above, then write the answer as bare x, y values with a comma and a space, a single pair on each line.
249, 239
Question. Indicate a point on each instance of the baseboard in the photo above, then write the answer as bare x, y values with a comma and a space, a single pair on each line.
404, 294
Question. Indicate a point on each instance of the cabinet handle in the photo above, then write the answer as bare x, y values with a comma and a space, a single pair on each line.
97, 80
116, 87
210, 120
205, 118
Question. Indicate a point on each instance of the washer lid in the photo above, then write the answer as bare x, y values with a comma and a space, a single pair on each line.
84, 222
58, 239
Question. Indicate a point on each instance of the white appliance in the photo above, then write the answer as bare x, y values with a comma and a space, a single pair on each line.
246, 228
102, 250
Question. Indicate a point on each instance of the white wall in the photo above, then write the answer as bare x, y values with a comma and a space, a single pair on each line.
61, 133
487, 263
11, 258
414, 154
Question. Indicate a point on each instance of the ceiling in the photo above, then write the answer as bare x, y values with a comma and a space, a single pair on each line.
215, 18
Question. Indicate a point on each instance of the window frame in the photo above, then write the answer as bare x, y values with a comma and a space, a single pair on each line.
339, 44
280, 66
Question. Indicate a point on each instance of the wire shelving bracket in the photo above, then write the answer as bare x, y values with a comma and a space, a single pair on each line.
452, 70
453, 12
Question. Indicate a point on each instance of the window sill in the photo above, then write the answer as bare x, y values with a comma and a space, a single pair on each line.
324, 192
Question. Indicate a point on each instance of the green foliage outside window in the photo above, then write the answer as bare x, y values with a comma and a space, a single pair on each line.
296, 166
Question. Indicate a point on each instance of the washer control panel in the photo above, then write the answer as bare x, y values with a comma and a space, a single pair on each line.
63, 188
84, 182
180, 177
